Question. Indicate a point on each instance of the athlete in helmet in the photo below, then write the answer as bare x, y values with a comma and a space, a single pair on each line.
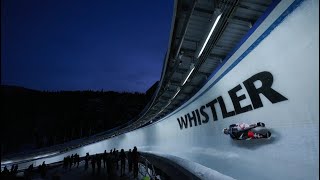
244, 131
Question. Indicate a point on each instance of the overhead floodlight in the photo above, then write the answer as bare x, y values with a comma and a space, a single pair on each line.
216, 17
167, 105
164, 108
190, 72
159, 112
178, 90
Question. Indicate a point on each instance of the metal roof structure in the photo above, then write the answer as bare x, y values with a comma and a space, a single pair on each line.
193, 54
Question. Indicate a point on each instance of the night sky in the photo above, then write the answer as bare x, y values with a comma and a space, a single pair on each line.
84, 44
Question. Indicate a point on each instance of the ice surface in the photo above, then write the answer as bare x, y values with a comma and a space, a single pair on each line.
198, 170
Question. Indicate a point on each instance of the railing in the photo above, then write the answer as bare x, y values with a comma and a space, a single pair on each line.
146, 168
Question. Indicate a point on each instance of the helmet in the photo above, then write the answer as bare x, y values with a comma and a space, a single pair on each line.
225, 131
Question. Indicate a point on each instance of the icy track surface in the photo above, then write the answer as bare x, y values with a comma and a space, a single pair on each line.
285, 45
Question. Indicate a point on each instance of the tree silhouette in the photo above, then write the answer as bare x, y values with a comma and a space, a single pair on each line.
30, 116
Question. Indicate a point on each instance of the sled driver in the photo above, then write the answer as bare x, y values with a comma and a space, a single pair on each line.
244, 131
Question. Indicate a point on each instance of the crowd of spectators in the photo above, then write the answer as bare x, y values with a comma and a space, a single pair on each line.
5, 173
70, 161
28, 173
111, 162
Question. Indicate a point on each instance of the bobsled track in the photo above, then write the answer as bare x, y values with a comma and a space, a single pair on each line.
271, 77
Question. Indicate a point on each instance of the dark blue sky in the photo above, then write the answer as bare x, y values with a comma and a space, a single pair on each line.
84, 44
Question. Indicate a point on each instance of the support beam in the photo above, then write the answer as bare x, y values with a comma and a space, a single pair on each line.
183, 71
241, 21
185, 27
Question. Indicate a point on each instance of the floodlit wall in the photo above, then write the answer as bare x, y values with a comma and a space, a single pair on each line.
272, 77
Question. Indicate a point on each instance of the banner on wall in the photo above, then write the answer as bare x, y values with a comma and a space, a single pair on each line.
199, 116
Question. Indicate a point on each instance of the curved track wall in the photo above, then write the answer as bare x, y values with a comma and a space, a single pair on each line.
271, 77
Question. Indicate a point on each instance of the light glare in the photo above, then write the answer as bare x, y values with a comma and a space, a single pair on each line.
209, 35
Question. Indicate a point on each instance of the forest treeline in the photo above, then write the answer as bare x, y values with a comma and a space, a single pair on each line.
33, 119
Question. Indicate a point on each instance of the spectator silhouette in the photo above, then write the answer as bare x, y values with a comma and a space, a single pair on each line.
74, 159
93, 164
109, 163
135, 160
5, 172
15, 171
122, 157
86, 159
104, 158
11, 170
98, 159
71, 160
68, 161
65, 163
130, 160
117, 159
114, 161
77, 160
43, 169
28, 172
